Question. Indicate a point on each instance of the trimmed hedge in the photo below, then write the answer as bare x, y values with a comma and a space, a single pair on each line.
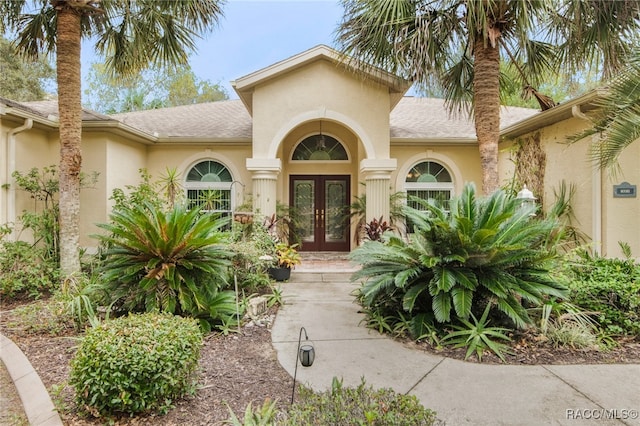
134, 364
610, 287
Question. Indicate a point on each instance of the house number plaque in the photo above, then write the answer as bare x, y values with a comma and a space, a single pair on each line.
625, 190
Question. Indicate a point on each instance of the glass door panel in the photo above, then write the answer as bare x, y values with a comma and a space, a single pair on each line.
304, 206
321, 204
335, 218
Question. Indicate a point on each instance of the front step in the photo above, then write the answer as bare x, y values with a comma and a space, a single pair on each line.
324, 267
320, 276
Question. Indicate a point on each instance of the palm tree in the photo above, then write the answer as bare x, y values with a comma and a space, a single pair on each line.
619, 118
458, 44
132, 34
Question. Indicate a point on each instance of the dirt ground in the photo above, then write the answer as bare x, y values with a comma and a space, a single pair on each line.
242, 368
234, 370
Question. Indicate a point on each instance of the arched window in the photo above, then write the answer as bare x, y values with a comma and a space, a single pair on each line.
428, 180
208, 185
319, 148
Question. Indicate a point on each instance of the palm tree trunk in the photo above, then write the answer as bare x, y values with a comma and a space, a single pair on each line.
70, 113
486, 94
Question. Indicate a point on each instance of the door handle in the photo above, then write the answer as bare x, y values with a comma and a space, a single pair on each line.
322, 218
317, 221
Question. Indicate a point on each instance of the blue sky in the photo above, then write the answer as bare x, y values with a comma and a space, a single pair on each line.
254, 34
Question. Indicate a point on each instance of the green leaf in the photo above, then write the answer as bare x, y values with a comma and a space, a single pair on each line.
462, 301
412, 294
441, 304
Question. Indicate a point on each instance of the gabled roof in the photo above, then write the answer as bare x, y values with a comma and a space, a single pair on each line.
244, 86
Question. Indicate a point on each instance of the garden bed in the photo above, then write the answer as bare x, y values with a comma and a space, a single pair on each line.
242, 368
528, 349
235, 370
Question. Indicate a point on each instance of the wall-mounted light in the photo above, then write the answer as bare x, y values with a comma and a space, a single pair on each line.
306, 354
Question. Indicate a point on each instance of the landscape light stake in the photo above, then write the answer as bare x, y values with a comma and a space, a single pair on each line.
306, 354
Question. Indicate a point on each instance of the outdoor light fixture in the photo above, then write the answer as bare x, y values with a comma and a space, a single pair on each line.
305, 354
526, 198
321, 142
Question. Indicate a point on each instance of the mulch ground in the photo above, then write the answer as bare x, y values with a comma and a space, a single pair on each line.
242, 367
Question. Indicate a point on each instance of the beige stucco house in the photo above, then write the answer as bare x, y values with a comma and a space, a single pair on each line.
314, 133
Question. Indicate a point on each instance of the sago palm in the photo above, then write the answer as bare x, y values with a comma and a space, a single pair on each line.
173, 261
459, 44
481, 251
132, 34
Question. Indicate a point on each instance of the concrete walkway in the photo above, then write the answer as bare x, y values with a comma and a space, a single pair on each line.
37, 404
462, 393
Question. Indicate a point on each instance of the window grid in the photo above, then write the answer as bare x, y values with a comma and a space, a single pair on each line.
208, 186
427, 180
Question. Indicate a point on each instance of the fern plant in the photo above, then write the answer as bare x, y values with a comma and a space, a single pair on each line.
480, 249
172, 261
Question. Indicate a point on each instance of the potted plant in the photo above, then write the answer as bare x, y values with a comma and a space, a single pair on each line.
286, 257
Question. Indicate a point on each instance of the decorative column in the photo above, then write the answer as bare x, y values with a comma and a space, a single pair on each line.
265, 173
377, 175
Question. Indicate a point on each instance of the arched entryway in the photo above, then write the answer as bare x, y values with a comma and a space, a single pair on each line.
320, 168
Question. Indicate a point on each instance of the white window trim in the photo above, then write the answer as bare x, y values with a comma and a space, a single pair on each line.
213, 186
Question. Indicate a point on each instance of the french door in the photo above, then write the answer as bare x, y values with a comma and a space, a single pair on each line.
321, 206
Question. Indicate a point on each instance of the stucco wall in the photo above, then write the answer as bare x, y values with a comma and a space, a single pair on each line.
123, 161
320, 90
603, 218
93, 197
25, 145
184, 156
462, 162
622, 215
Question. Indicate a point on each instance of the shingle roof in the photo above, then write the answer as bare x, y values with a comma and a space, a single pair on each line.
420, 119
50, 109
427, 118
216, 120
412, 118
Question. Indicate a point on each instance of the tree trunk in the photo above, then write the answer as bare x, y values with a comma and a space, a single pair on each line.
70, 113
486, 93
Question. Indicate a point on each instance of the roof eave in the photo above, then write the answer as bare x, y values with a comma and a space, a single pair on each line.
16, 114
121, 129
203, 141
552, 115
434, 141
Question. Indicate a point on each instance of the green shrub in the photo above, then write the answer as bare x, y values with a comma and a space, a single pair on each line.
361, 405
134, 364
462, 257
25, 271
249, 243
610, 287
173, 261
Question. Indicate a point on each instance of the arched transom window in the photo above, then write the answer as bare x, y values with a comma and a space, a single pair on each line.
428, 180
319, 148
208, 185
